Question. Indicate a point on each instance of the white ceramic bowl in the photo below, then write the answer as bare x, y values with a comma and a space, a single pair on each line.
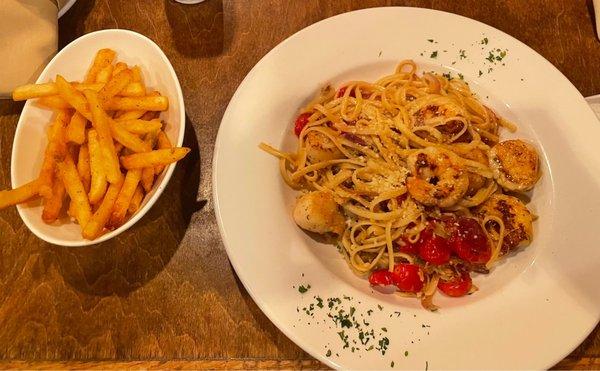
30, 138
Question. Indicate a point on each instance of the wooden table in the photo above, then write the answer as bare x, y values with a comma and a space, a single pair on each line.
163, 294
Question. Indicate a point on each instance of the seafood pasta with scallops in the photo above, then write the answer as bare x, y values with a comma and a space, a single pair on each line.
409, 177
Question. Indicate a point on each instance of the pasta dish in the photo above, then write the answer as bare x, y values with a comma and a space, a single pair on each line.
408, 176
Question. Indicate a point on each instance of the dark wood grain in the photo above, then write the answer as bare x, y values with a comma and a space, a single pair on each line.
163, 295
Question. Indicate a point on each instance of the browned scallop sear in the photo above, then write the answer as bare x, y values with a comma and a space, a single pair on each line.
318, 212
515, 164
514, 214
320, 148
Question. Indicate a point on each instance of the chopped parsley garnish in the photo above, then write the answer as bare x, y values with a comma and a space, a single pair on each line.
484, 41
384, 329
380, 307
480, 73
434, 54
490, 57
462, 54
447, 75
328, 354
302, 289
460, 75
430, 40
383, 345
319, 302
406, 353
392, 364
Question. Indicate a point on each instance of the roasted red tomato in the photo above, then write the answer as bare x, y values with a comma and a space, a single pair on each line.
301, 122
381, 277
408, 247
469, 242
406, 277
433, 248
459, 286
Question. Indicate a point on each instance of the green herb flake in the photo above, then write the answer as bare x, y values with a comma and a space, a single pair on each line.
328, 354
302, 289
480, 73
462, 54
484, 41
434, 54
380, 307
319, 302
460, 75
406, 353
392, 364
384, 329
490, 57
430, 40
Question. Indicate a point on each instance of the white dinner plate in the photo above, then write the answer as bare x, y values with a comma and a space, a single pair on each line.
530, 312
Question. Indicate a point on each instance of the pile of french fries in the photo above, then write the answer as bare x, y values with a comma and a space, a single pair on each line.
106, 146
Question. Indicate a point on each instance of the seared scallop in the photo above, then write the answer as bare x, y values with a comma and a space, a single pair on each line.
517, 219
320, 148
515, 164
318, 212
476, 181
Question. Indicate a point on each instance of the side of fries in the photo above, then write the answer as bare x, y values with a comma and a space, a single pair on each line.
105, 147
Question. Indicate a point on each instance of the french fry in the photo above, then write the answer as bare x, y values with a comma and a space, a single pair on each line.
31, 91
94, 227
53, 205
148, 172
100, 123
136, 200
121, 205
70, 178
138, 77
153, 158
147, 178
141, 126
133, 89
98, 182
150, 115
76, 129
67, 92
34, 91
105, 74
119, 66
54, 102
84, 167
56, 147
129, 115
126, 138
103, 58
119, 147
115, 85
147, 103
20, 194
162, 142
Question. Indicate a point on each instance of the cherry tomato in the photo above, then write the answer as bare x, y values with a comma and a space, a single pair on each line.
433, 248
409, 248
459, 286
342, 91
381, 277
469, 241
301, 122
408, 277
